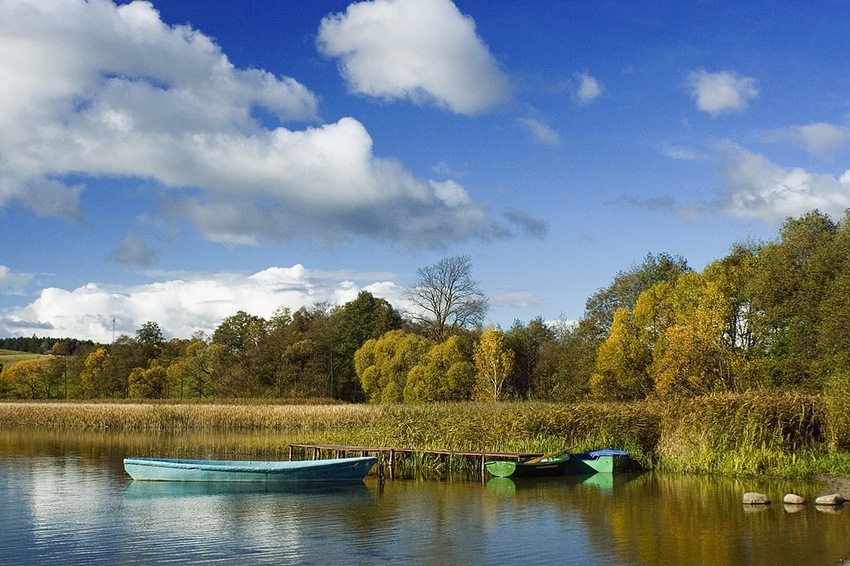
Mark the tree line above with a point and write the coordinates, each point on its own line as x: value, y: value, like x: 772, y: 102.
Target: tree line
x: 767, y: 315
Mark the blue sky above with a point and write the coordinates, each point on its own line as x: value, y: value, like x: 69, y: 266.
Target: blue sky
x: 180, y: 160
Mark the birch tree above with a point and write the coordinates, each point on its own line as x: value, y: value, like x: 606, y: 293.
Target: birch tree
x: 494, y: 362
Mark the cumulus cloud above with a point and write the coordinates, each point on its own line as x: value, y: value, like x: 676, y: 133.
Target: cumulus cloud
x: 91, y: 89
x: 819, y: 138
x: 540, y: 131
x: 204, y: 301
x: 588, y: 90
x: 723, y: 92
x: 424, y: 51
x: 759, y: 188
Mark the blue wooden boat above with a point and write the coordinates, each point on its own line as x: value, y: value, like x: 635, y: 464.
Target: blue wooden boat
x: 330, y: 470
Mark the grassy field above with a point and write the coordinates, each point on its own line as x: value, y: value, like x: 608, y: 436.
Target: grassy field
x: 749, y: 434
x: 9, y: 357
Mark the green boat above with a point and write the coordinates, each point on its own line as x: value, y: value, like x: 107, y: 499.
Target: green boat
x: 562, y: 463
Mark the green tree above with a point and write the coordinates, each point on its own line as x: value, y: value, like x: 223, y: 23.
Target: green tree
x: 792, y: 277
x: 445, y: 297
x: 364, y: 318
x: 529, y: 343
x: 240, y: 334
x: 150, y: 340
x: 237, y: 340
x: 566, y: 364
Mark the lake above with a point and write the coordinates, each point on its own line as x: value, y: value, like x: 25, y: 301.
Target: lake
x: 67, y: 500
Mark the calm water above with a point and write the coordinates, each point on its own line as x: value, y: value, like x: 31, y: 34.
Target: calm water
x: 66, y: 500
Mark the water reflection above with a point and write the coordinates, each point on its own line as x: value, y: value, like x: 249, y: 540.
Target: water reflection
x: 315, y: 492
x: 67, y: 500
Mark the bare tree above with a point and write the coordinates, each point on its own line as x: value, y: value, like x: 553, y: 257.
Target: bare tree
x: 445, y: 296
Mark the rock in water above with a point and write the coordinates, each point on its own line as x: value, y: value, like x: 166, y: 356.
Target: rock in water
x: 794, y: 499
x: 753, y: 498
x: 831, y: 499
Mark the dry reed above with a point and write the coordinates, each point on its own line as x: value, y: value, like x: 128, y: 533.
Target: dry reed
x: 752, y: 433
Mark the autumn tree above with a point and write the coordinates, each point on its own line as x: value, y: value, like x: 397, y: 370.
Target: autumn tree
x: 494, y: 362
x: 383, y: 364
x: 626, y: 287
x: 622, y: 362
x: 193, y: 372
x: 39, y: 378
x: 691, y: 351
x: 148, y: 383
x: 445, y: 373
x: 445, y: 297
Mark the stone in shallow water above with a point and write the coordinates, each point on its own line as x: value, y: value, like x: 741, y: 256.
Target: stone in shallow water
x: 794, y: 499
x: 753, y: 498
x: 831, y: 499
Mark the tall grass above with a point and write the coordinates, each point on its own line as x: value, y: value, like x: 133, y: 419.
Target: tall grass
x: 749, y: 433
x: 753, y: 433
x: 837, y: 399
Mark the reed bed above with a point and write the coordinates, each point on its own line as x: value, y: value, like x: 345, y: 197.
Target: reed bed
x: 781, y: 434
x: 183, y: 417
x: 749, y: 433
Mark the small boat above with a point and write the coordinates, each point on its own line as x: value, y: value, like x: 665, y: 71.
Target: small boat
x: 330, y: 470
x: 562, y: 463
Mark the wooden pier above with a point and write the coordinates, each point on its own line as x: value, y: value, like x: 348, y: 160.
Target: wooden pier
x: 387, y: 455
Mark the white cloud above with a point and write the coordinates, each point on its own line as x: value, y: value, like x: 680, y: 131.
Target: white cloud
x: 541, y: 132
x: 588, y: 89
x: 426, y: 51
x: 719, y: 93
x: 92, y: 90
x: 182, y: 306
x: 759, y: 188
x: 819, y: 138
x: 12, y: 282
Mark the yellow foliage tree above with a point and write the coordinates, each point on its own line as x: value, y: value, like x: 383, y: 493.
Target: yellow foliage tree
x: 383, y: 364
x: 494, y: 362
x: 622, y: 362
x: 695, y: 357
x: 445, y: 374
x: 34, y: 379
